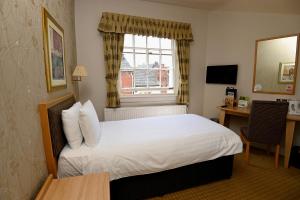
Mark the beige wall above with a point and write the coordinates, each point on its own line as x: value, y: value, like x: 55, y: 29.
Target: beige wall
x: 90, y: 46
x: 23, y: 86
x: 231, y: 40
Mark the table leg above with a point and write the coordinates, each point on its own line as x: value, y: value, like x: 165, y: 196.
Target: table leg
x: 289, y: 134
x: 224, y: 119
x: 222, y: 116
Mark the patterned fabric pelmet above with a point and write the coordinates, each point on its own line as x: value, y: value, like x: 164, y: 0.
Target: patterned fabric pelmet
x: 119, y: 23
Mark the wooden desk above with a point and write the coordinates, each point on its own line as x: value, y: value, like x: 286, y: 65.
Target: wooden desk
x: 92, y: 187
x: 224, y: 119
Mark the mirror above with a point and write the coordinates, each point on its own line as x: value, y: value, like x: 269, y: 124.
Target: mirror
x: 276, y: 61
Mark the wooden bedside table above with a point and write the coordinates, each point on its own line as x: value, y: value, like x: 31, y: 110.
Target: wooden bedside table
x: 91, y: 187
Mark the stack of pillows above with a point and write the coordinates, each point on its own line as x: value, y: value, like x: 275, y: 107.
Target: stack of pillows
x: 80, y: 123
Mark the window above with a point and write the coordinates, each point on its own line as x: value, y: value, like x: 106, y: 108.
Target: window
x: 147, y: 66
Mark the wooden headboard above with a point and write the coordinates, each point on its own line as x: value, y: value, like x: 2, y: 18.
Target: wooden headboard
x: 53, y: 136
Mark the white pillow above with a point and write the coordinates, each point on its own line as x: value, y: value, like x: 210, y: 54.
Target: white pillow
x: 71, y: 126
x: 89, y: 124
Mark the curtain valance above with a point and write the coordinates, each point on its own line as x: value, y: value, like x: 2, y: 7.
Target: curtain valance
x: 119, y: 23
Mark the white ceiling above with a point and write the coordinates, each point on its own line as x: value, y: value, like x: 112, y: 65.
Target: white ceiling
x: 265, y: 6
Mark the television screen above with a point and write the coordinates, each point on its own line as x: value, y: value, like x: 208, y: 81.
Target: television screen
x: 221, y: 74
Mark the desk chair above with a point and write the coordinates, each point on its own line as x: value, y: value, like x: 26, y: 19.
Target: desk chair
x: 266, y: 125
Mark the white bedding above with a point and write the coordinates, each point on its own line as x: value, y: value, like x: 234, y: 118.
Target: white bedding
x: 148, y: 145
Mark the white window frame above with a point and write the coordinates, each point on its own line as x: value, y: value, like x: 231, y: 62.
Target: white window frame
x: 151, y: 99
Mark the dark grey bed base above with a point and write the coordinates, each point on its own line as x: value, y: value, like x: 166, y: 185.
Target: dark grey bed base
x: 158, y: 184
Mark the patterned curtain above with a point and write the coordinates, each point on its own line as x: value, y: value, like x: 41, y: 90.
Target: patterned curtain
x: 183, y: 52
x: 113, y: 49
x: 118, y: 23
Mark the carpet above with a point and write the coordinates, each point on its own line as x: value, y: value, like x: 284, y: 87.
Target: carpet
x: 258, y: 180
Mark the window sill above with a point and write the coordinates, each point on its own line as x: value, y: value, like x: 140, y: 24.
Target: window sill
x: 148, y: 100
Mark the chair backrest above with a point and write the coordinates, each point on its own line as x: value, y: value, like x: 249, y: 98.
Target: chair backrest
x: 267, y: 121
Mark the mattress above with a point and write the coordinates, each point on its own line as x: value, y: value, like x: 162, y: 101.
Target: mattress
x: 148, y: 145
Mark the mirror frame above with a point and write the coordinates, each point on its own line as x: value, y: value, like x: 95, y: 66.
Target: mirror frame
x: 296, y: 65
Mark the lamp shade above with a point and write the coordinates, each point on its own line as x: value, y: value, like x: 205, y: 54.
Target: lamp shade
x: 80, y: 71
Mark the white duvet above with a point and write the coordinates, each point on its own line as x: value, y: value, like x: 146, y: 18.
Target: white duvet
x: 149, y: 145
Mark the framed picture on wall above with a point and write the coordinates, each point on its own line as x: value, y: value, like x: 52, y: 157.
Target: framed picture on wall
x: 286, y: 72
x: 54, y: 53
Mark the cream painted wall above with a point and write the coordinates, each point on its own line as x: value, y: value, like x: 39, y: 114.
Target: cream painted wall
x: 23, y: 86
x: 231, y: 40
x: 90, y: 46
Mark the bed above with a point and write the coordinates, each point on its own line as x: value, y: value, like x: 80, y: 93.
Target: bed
x: 145, y: 157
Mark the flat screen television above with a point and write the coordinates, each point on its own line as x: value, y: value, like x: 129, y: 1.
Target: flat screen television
x: 222, y: 74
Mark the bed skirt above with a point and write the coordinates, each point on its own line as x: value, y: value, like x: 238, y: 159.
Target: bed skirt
x: 158, y: 184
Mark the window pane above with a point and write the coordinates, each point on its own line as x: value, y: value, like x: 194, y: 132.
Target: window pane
x: 165, y: 78
x: 147, y: 66
x: 153, y: 51
x: 140, y: 50
x: 127, y: 50
x: 166, y: 43
x: 154, y: 91
x: 153, y: 42
x: 126, y: 92
x: 128, y: 40
x: 126, y: 79
x: 140, y: 60
x: 154, y: 78
x: 163, y: 91
x: 140, y: 77
x: 167, y: 91
x: 171, y: 78
x: 169, y: 52
x: 140, y: 41
x: 127, y: 61
x: 166, y: 61
x: 142, y: 92
x: 170, y: 91
x: 153, y: 61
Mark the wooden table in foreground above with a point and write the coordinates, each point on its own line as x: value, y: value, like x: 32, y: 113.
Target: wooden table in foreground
x: 226, y: 112
x: 91, y: 187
